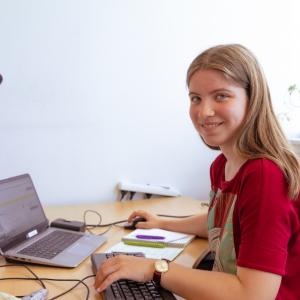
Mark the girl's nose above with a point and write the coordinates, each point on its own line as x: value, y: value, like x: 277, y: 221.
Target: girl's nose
x: 207, y: 109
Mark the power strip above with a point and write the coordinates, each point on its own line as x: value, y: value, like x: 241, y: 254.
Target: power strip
x: 148, y: 189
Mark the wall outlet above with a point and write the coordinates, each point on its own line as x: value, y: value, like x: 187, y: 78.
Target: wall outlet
x: 149, y: 189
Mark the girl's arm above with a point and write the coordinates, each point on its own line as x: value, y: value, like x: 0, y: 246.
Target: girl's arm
x: 196, y: 224
x: 248, y: 284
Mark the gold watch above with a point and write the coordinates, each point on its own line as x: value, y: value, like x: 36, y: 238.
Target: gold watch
x: 160, y: 266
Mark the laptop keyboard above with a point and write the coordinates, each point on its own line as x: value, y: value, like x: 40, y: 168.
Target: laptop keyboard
x: 51, y: 245
x: 130, y: 290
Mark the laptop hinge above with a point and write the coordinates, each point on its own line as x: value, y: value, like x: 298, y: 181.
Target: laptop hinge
x: 20, y: 238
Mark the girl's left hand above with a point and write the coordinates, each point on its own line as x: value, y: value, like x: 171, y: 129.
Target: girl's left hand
x: 124, y: 267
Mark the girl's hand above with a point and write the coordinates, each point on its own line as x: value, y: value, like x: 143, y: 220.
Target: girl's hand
x: 152, y: 221
x: 124, y: 267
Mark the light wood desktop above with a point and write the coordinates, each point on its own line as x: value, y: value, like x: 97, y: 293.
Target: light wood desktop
x: 110, y: 212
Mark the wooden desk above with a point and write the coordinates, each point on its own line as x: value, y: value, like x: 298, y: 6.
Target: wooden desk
x: 110, y: 212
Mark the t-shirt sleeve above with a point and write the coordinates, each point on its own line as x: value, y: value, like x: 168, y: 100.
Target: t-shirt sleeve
x: 263, y: 216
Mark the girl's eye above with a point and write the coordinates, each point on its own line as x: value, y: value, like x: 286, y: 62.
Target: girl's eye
x: 221, y: 97
x: 195, y: 99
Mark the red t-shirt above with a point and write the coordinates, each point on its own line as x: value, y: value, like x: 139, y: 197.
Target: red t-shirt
x: 252, y: 223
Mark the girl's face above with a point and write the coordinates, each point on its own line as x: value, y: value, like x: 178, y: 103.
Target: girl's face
x: 218, y: 107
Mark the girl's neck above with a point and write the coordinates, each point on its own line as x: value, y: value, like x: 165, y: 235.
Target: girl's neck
x: 233, y: 163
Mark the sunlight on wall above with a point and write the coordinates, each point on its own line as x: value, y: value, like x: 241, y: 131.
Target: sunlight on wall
x: 291, y: 108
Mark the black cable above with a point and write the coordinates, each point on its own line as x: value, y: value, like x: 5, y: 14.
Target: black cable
x: 37, y: 278
x: 28, y: 269
x: 40, y: 279
x: 73, y: 287
x: 56, y: 279
x: 17, y: 278
x: 107, y: 224
x: 125, y: 220
x: 93, y: 226
x: 99, y: 225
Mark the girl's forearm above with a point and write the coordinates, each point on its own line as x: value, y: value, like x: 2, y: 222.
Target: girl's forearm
x: 197, y: 284
x: 246, y: 284
x: 196, y: 224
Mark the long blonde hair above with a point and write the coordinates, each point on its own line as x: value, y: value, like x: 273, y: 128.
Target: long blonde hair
x: 260, y: 135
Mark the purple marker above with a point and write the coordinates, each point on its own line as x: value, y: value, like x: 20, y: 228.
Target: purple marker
x: 150, y: 237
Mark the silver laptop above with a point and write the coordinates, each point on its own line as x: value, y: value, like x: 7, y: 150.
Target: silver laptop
x: 25, y: 234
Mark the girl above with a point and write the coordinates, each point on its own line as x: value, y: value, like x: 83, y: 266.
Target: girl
x: 253, y: 223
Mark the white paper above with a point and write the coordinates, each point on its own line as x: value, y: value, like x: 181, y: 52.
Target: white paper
x: 150, y: 252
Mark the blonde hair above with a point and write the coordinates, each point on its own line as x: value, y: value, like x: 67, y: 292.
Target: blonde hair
x: 260, y: 135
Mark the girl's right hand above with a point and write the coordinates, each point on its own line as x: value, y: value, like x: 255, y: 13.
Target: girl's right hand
x: 152, y: 220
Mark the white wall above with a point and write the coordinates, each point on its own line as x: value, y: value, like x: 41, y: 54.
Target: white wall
x: 94, y: 90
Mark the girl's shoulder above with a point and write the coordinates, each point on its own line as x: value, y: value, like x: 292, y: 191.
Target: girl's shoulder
x: 263, y: 174
x: 261, y: 166
x: 252, y: 171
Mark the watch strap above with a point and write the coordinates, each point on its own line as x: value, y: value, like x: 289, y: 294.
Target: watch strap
x: 157, y: 275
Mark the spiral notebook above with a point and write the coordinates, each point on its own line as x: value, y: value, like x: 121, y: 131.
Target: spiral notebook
x: 157, y: 238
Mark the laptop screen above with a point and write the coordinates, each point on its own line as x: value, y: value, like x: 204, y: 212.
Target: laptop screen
x: 20, y: 208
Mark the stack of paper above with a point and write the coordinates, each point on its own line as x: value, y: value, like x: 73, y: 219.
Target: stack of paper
x: 154, y: 243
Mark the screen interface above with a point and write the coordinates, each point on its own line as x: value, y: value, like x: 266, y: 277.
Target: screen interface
x: 20, y: 208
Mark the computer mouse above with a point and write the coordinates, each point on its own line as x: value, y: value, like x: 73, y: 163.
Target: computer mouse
x: 134, y: 222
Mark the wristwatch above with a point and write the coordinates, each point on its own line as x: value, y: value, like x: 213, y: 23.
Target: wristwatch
x: 160, y: 266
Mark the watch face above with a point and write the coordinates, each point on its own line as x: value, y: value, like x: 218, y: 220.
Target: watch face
x: 161, y: 266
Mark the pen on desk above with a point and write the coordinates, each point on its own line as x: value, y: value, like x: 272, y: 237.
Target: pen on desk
x: 150, y: 237
x: 145, y: 244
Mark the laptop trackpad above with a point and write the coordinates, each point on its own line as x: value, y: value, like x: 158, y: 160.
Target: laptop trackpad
x: 80, y: 248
